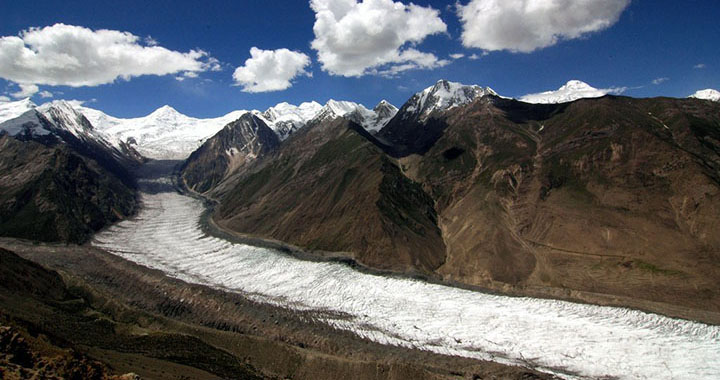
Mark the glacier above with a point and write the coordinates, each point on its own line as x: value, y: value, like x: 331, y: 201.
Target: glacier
x: 567, y: 339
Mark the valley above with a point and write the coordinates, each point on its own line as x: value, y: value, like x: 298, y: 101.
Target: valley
x: 436, y: 318
x: 463, y: 234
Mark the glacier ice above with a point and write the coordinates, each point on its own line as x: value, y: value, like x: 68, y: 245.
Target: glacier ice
x: 567, y: 339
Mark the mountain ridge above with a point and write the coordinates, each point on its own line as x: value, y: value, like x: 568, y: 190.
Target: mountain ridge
x: 503, y: 177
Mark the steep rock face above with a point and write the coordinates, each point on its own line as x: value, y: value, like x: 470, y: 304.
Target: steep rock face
x: 317, y: 190
x: 417, y: 125
x: 52, y: 193
x: 235, y: 146
x: 59, y: 181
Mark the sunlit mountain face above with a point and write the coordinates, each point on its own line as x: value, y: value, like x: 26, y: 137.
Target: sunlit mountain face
x: 360, y: 189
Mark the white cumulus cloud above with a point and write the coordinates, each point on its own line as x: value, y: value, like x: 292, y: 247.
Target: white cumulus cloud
x: 26, y: 91
x: 46, y: 94
x: 271, y: 70
x: 4, y: 98
x: 658, y: 81
x: 528, y: 25
x: 457, y: 55
x: 77, y: 56
x: 373, y: 36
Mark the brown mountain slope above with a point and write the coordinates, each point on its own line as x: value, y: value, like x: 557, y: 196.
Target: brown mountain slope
x: 236, y: 145
x: 613, y: 196
x: 330, y: 188
x: 50, y: 192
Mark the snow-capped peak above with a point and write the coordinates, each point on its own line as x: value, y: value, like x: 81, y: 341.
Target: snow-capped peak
x: 570, y: 91
x: 345, y: 109
x: 285, y: 118
x: 30, y: 123
x: 11, y: 110
x: 708, y: 94
x: 384, y: 106
x: 442, y: 95
x: 342, y: 107
x: 384, y: 111
x: 65, y: 116
x: 163, y: 134
x: 167, y: 112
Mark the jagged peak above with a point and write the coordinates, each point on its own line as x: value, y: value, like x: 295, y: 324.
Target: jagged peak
x: 342, y: 107
x: 384, y: 104
x: 443, y: 95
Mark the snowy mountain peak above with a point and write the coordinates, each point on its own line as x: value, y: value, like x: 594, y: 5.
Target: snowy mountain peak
x: 708, y: 94
x: 285, y: 118
x: 31, y: 123
x: 167, y: 112
x: 570, y: 91
x: 342, y: 108
x: 576, y: 85
x: 64, y: 116
x: 384, y: 107
x: 11, y: 110
x: 441, y: 96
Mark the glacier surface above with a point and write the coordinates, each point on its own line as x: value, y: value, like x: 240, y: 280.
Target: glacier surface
x: 567, y: 339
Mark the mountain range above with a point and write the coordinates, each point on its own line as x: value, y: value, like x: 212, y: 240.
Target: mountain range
x: 576, y: 190
x: 61, y: 179
x: 611, y: 195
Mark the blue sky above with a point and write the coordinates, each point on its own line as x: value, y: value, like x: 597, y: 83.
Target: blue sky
x: 649, y: 40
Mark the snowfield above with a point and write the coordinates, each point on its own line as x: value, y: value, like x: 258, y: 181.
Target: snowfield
x: 567, y: 339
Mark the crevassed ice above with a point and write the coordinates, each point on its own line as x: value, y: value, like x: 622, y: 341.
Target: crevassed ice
x: 567, y: 339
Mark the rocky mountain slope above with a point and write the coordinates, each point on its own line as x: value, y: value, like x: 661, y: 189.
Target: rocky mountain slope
x: 418, y: 116
x: 234, y: 147
x: 612, y: 195
x: 325, y: 182
x: 59, y: 179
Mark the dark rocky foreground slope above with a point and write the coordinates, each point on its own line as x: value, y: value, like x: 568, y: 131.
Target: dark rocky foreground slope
x: 610, y: 198
x: 105, y: 316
